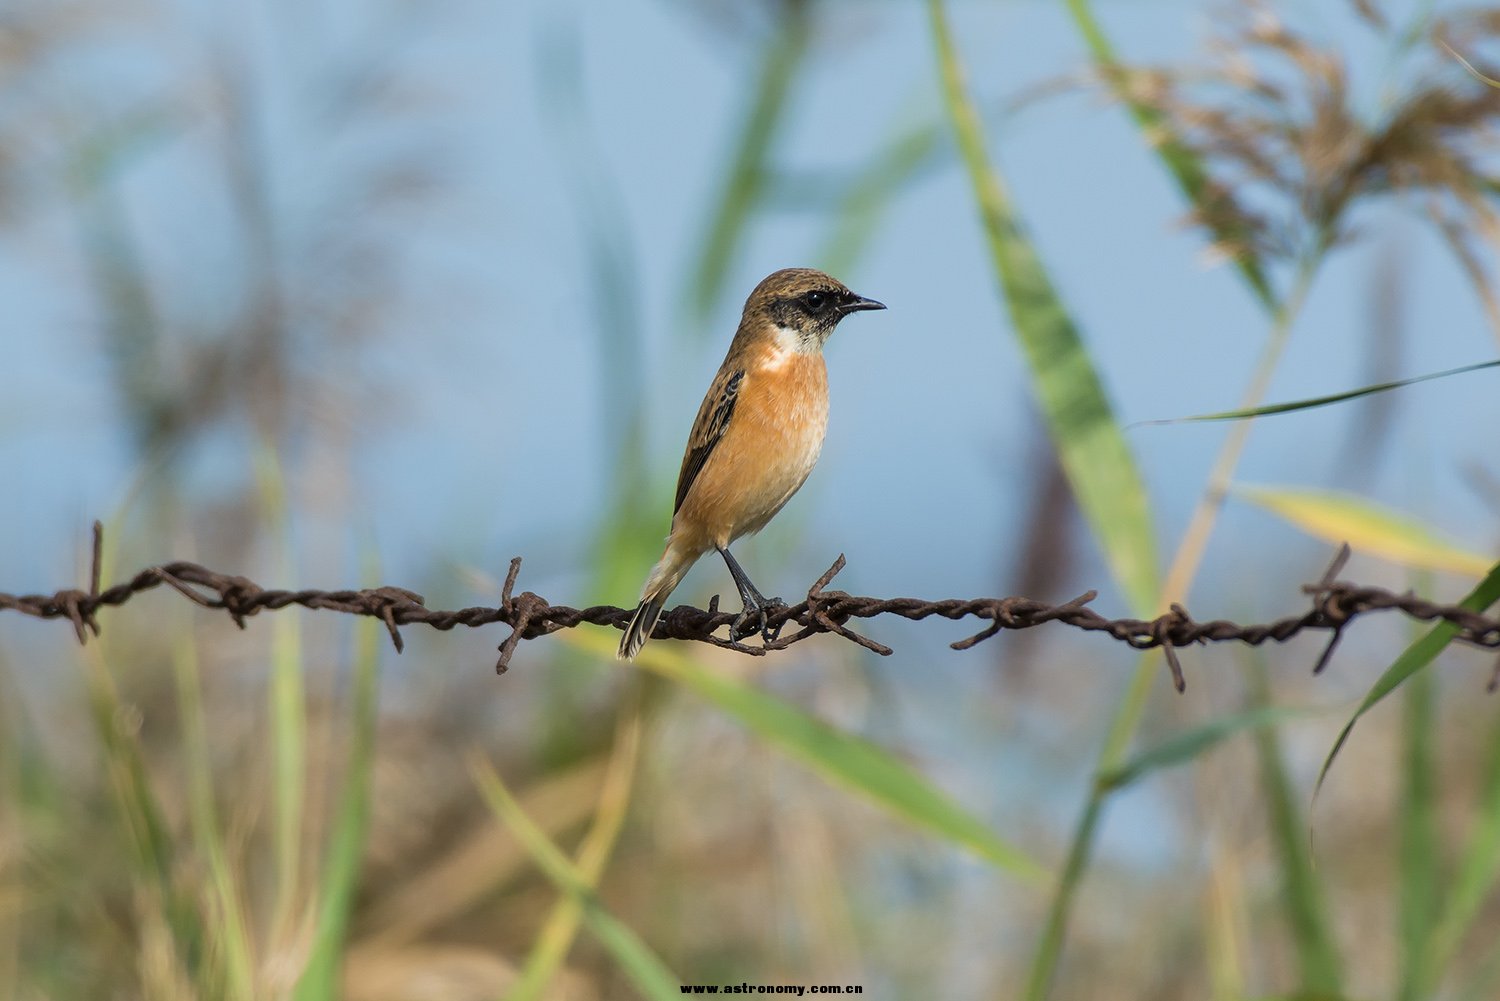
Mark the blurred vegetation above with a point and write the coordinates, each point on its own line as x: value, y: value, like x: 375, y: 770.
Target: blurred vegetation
x: 191, y: 812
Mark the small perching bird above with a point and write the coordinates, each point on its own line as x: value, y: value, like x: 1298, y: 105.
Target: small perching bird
x: 756, y: 438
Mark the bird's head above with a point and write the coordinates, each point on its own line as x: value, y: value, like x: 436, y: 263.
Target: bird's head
x: 803, y: 303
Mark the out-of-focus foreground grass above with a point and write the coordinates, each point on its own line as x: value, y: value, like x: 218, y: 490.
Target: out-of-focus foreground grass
x: 189, y: 811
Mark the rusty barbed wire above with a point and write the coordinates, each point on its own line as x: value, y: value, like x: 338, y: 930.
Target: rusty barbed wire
x: 1334, y: 605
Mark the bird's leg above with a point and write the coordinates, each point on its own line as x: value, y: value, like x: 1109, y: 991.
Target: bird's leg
x: 756, y: 604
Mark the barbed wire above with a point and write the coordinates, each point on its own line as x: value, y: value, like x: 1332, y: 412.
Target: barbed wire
x: 1334, y: 605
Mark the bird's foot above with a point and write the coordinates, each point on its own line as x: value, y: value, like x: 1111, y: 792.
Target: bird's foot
x: 755, y: 619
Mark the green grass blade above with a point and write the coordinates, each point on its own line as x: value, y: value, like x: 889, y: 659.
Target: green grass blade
x: 1049, y: 947
x: 1474, y: 883
x: 288, y: 710
x: 1116, y: 743
x: 850, y: 761
x: 1303, y: 904
x: 15, y: 817
x: 1091, y: 448
x: 141, y: 817
x: 1414, y: 658
x: 1321, y: 401
x: 140, y: 811
x: 1337, y: 517
x: 561, y: 927
x: 1090, y: 443
x: 320, y: 977
x: 230, y: 932
x: 1418, y: 821
x: 745, y: 180
x: 1185, y: 166
x: 1190, y: 744
x: 645, y: 970
x: 140, y: 814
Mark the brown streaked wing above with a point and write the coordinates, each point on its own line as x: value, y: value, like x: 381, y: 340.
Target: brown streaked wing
x: 708, y: 430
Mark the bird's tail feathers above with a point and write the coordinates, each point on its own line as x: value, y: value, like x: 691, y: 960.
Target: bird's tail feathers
x: 665, y: 577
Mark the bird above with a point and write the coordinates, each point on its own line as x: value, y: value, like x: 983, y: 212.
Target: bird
x: 757, y: 436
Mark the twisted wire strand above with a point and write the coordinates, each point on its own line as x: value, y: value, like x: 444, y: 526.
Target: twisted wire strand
x: 1333, y: 605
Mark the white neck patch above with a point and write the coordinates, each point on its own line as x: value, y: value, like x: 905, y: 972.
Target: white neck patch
x: 787, y: 343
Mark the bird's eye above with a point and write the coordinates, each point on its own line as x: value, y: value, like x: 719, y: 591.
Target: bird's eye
x: 815, y: 301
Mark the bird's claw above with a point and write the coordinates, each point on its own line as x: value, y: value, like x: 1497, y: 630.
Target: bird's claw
x: 748, y: 622
x: 754, y: 619
x: 771, y: 636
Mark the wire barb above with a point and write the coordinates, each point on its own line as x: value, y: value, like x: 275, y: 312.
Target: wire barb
x: 1334, y: 605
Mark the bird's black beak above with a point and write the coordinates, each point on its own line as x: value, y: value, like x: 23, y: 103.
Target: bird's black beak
x: 855, y: 303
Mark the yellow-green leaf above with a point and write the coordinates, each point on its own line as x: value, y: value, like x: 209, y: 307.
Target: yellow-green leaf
x: 1370, y: 528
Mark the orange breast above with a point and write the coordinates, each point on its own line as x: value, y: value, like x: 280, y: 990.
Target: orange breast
x: 771, y: 444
